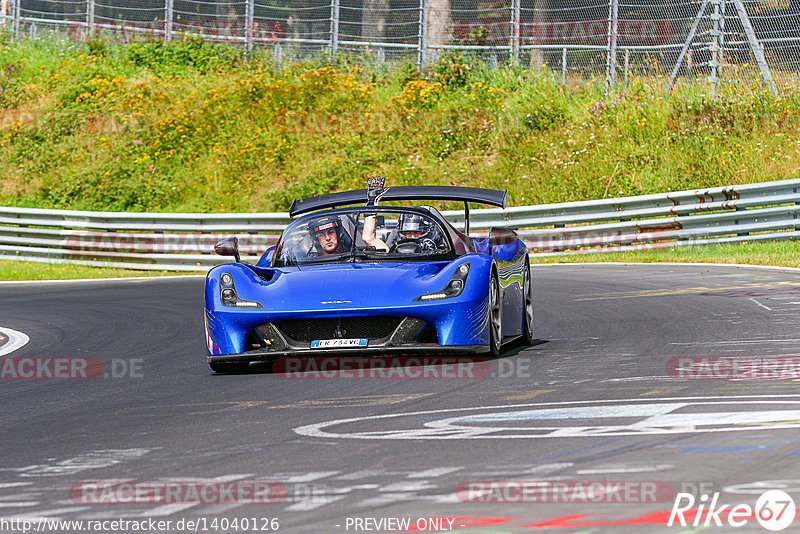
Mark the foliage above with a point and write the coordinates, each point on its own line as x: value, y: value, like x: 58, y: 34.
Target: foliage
x: 191, y: 126
x: 187, y: 52
x: 452, y: 70
x: 418, y: 95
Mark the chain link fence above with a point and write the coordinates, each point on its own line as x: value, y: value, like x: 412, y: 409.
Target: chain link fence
x: 685, y: 41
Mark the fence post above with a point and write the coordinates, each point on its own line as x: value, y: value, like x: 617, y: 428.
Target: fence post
x: 334, y: 27
x: 686, y: 45
x: 423, y: 34
x: 17, y: 17
x: 515, y: 33
x: 611, y: 63
x: 715, y: 33
x: 627, y: 63
x: 168, y: 19
x: 89, y: 18
x: 758, y: 50
x: 564, y: 65
x: 249, y: 18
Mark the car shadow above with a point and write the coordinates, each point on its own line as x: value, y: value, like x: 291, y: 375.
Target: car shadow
x: 354, y: 365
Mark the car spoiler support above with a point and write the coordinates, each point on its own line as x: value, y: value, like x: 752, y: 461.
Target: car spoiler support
x: 406, y: 192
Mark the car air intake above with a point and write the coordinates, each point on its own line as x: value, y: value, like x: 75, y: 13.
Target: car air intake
x: 373, y: 327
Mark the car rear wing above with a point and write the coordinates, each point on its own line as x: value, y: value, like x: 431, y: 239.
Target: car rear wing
x: 466, y: 195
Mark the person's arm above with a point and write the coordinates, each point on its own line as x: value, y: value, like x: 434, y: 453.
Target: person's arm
x: 369, y: 237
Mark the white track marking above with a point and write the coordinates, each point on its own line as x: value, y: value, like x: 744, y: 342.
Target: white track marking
x: 623, y: 469
x: 651, y: 419
x: 83, y: 462
x: 293, y: 478
x: 433, y: 473
x: 16, y: 340
x: 765, y: 307
x: 794, y: 341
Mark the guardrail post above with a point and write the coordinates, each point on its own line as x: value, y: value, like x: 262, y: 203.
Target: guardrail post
x: 334, y: 27
x: 168, y: 20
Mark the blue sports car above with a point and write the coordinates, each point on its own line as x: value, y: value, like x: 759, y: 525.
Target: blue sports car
x: 351, y: 276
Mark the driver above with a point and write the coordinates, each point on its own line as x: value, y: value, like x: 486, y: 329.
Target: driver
x: 326, y: 236
x: 414, y: 235
x: 414, y: 230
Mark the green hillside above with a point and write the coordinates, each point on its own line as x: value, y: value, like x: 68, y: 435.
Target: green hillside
x: 192, y: 126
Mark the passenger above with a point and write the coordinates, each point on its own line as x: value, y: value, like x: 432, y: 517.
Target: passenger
x: 327, y: 236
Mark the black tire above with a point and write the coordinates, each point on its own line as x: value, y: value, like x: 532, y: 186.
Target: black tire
x: 527, y: 311
x: 495, y: 317
x: 229, y: 368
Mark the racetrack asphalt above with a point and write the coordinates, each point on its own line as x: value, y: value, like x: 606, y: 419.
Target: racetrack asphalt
x: 629, y: 385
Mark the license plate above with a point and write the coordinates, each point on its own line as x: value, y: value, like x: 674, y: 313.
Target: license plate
x: 337, y: 343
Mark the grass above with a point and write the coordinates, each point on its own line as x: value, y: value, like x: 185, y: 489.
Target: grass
x: 778, y: 253
x: 20, y: 270
x: 192, y: 126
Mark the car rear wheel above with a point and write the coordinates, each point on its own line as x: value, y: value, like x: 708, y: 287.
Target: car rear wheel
x: 495, y: 317
x: 229, y: 368
x: 527, y: 295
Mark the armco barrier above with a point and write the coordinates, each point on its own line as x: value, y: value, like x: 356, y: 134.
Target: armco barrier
x: 185, y: 241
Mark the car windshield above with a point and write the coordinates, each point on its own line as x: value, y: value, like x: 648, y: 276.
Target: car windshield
x: 360, y: 235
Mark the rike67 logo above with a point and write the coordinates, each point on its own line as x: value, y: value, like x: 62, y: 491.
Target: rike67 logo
x: 774, y: 510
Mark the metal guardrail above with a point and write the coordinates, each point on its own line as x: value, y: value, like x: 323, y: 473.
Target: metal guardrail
x: 185, y: 241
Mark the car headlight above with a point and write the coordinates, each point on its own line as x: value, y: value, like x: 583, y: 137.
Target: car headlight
x: 230, y: 298
x: 453, y: 288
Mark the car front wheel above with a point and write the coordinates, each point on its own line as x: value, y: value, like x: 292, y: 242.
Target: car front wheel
x: 527, y: 296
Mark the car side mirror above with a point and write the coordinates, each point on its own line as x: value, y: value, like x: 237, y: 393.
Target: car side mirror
x: 499, y: 241
x: 228, y: 247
